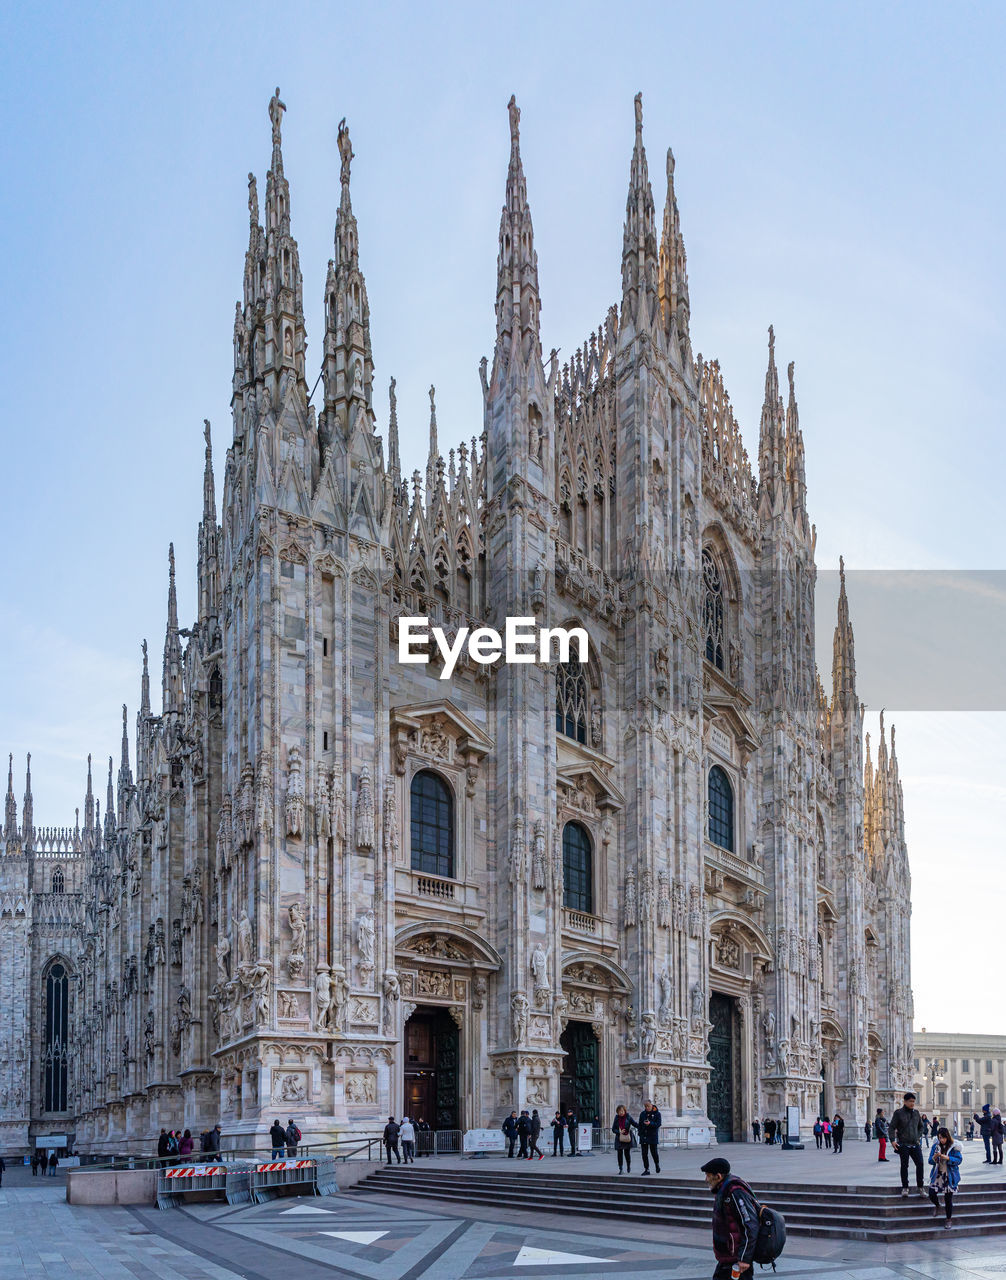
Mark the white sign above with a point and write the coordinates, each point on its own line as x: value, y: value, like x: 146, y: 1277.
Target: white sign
x: 50, y: 1140
x: 698, y: 1136
x: 584, y: 1136
x: 793, y: 1124
x: 484, y: 1140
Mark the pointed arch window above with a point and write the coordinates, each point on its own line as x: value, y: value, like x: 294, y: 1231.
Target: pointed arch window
x: 432, y: 826
x: 721, y: 809
x: 56, y: 990
x: 58, y: 881
x: 571, y: 699
x: 712, y: 608
x: 577, y: 869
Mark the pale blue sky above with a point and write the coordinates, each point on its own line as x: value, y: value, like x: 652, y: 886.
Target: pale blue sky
x: 840, y: 173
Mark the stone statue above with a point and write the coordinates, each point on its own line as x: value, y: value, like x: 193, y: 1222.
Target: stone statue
x: 339, y: 1000
x: 518, y: 1016
x: 276, y: 109
x: 539, y: 967
x: 345, y: 152
x: 365, y: 937
x: 298, y: 930
x: 322, y: 998
x: 245, y: 948
x: 698, y: 1003
x: 223, y: 953
x: 664, y: 982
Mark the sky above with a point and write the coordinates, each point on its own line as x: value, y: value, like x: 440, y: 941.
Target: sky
x: 840, y: 175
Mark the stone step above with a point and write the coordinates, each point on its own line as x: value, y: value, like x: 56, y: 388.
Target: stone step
x: 688, y: 1209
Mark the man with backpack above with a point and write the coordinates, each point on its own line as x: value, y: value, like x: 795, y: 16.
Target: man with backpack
x: 293, y: 1136
x: 744, y: 1232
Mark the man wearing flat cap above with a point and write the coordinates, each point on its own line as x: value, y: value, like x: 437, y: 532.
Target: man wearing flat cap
x: 735, y: 1219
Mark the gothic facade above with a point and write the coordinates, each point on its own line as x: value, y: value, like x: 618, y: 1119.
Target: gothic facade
x: 337, y: 886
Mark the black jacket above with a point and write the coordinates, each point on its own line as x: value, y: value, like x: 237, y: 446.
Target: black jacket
x: 213, y: 1140
x: 391, y: 1133
x: 535, y: 1125
x: 984, y: 1123
x: 524, y: 1126
x: 907, y: 1128
x: 162, y: 1145
x: 626, y: 1127
x: 880, y: 1127
x: 559, y: 1126
x: 277, y: 1134
x: 510, y: 1126
x: 735, y: 1221
x: 649, y: 1125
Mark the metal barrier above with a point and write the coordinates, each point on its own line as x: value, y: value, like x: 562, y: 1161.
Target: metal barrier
x: 448, y: 1142
x: 230, y: 1180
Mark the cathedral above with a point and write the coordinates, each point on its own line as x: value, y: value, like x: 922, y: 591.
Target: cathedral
x: 333, y: 885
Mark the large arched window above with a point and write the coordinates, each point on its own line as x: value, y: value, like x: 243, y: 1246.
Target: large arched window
x: 577, y: 869
x: 57, y: 880
x: 721, y: 809
x: 57, y: 993
x: 571, y: 699
x: 712, y: 609
x: 432, y: 826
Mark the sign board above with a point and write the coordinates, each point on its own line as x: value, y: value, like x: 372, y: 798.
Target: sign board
x: 793, y: 1124
x: 584, y: 1136
x: 698, y: 1136
x: 50, y: 1140
x: 484, y: 1140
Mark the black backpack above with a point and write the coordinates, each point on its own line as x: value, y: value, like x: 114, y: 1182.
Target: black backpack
x: 771, y: 1236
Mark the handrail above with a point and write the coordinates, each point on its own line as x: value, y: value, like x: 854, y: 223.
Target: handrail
x: 355, y: 1142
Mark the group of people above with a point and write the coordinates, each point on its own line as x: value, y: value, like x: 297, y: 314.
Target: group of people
x: 176, y: 1145
x: 647, y: 1127
x: 992, y: 1130
x: 908, y: 1131
x: 406, y: 1132
x: 830, y: 1134
x: 771, y: 1129
x: 284, y: 1141
x: 41, y: 1163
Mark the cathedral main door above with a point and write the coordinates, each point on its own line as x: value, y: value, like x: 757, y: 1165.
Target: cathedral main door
x: 722, y: 1083
x: 432, y: 1069
x: 578, y: 1083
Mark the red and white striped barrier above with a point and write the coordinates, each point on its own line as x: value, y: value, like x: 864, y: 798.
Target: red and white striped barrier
x: 284, y: 1164
x: 196, y: 1171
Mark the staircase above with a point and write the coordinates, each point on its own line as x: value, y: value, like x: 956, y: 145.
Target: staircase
x: 840, y: 1213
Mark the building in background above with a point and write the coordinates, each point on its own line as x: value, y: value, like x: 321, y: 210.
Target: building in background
x: 335, y: 886
x: 955, y: 1075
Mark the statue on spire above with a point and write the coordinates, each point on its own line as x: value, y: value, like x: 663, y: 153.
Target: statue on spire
x: 253, y: 199
x: 345, y: 152
x: 514, y: 110
x: 638, y: 103
x: 276, y: 109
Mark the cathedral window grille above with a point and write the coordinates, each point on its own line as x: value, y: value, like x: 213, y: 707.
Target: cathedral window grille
x: 57, y: 993
x: 58, y: 881
x: 577, y: 869
x: 432, y: 826
x: 721, y: 809
x: 712, y: 609
x: 571, y: 700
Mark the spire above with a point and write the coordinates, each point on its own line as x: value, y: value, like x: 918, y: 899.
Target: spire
x: 109, y: 808
x: 795, y: 468
x: 434, y: 454
x: 869, y: 807
x: 640, y: 264
x: 89, y: 800
x: 28, y: 819
x: 394, y: 459
x: 673, y: 276
x: 145, y: 685
x: 771, y: 440
x: 843, y: 666
x: 171, y: 679
x: 10, y: 810
x: 348, y: 363
x: 208, y: 557
x: 517, y: 299
x: 125, y: 773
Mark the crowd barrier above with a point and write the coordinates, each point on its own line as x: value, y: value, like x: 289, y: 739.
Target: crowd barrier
x: 274, y: 1178
x: 231, y: 1180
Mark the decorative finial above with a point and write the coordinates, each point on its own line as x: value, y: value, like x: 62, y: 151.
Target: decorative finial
x: 253, y: 199
x: 206, y: 431
x: 433, y: 403
x: 514, y: 110
x: 276, y: 109
x: 345, y: 152
x: 638, y: 104
x: 393, y: 398
x: 771, y: 342
x: 789, y: 373
x: 670, y: 165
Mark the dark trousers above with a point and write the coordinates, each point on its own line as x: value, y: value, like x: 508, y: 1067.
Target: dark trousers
x: 624, y: 1152
x: 409, y: 1151
x: 819, y: 1139
x: 997, y: 1151
x: 511, y: 1143
x: 523, y: 1146
x: 650, y: 1149
x: 839, y: 1138
x: 948, y: 1199
x: 988, y: 1148
x: 914, y: 1154
x: 572, y: 1141
x: 392, y: 1146
x: 827, y: 1140
x: 557, y: 1138
x: 534, y: 1148
x: 723, y: 1270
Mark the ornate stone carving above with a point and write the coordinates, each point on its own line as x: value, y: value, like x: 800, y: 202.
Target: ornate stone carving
x: 629, y: 905
x: 263, y: 798
x: 364, y: 811
x: 298, y: 939
x: 390, y: 820
x: 294, y: 793
x: 323, y: 803
x: 663, y: 901
x: 518, y: 851
x: 518, y: 1017
x: 539, y: 865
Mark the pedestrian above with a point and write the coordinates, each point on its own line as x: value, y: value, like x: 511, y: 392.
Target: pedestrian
x: 735, y: 1220
x: 826, y: 1126
x: 649, y: 1136
x: 293, y: 1136
x: 277, y: 1136
x: 534, y: 1135
x: 945, y: 1156
x: 571, y: 1133
x: 558, y: 1133
x: 935, y: 1127
x: 985, y: 1129
x: 866, y: 1130
x: 213, y: 1139
x: 622, y: 1127
x: 818, y: 1133
x: 998, y: 1132
x: 186, y: 1144
x: 523, y: 1133
x: 880, y: 1129
x: 756, y: 1130
x: 390, y: 1139
x: 837, y: 1132
x: 770, y: 1131
x: 3, y: 1169
x: 424, y: 1137
x: 34, y: 1162
x: 407, y: 1133
x: 907, y: 1131
x: 162, y: 1145
x: 510, y: 1132
x: 53, y: 1162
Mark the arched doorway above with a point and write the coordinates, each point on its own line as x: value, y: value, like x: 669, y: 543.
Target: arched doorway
x: 723, y: 1093
x: 432, y: 1068
x: 579, y: 1082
